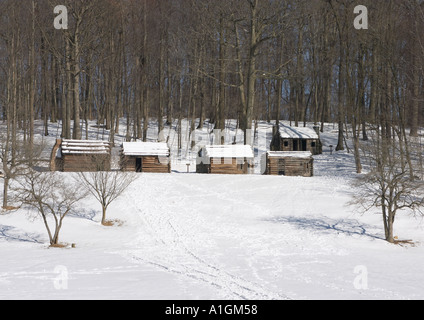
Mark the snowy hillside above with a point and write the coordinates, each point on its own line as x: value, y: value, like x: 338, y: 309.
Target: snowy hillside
x: 190, y: 236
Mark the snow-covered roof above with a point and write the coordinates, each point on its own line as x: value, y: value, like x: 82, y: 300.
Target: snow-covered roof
x: 290, y: 154
x: 228, y: 151
x: 287, y: 132
x: 145, y: 149
x: 85, y: 147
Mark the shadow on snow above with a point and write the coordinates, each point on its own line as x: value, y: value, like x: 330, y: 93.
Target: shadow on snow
x: 347, y: 227
x: 7, y: 233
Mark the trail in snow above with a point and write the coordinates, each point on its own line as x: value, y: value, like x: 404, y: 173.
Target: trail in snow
x: 170, y: 250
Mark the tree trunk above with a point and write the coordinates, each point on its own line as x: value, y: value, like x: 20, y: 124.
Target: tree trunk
x: 220, y: 121
x: 145, y: 86
x: 69, y: 90
x: 390, y: 227
x: 104, y: 215
x: 161, y: 86
x: 32, y: 79
x: 251, y: 81
x: 76, y: 134
x: 341, y: 114
x: 5, y: 192
x: 415, y: 99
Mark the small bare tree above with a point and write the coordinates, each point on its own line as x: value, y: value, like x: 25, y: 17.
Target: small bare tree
x: 106, y: 186
x: 51, y: 195
x: 388, y: 185
x: 16, y: 154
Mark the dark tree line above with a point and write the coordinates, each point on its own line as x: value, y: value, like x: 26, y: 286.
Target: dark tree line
x: 292, y: 60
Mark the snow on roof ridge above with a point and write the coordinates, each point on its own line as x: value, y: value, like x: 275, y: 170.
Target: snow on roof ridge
x: 288, y: 132
x: 145, y: 149
x: 229, y: 151
x: 85, y: 147
x: 291, y: 154
x: 70, y: 141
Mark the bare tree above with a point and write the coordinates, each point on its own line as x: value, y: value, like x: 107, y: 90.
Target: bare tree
x: 16, y: 155
x: 51, y: 195
x: 388, y: 184
x: 106, y: 186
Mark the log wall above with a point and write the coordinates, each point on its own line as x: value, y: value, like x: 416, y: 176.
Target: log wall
x: 150, y: 164
x: 226, y: 166
x: 290, y: 166
x: 312, y: 145
x: 84, y: 163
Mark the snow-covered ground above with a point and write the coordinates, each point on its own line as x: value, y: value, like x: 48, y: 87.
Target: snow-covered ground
x: 190, y: 236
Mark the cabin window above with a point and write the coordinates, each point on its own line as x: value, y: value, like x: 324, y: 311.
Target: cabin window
x: 286, y: 143
x: 313, y: 144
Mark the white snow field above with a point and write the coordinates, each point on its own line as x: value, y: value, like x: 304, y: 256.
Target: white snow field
x: 187, y: 237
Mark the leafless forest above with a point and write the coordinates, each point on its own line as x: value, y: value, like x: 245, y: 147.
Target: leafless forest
x: 239, y: 59
x: 167, y: 60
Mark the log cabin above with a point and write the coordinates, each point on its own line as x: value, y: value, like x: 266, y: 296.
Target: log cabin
x: 286, y: 138
x: 225, y: 159
x: 283, y: 163
x: 81, y: 156
x: 148, y: 157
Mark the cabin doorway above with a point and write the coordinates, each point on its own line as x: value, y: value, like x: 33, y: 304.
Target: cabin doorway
x: 281, y: 167
x: 304, y: 145
x: 138, y: 165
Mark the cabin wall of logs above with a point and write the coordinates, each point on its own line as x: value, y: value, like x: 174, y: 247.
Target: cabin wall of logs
x: 80, y: 156
x: 290, y: 144
x: 225, y: 159
x: 296, y: 139
x: 226, y: 166
x: 288, y: 164
x: 84, y: 163
x: 147, y: 164
x: 147, y: 157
